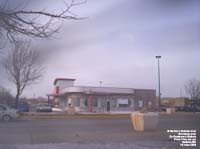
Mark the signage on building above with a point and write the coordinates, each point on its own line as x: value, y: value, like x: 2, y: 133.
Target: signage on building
x: 122, y: 101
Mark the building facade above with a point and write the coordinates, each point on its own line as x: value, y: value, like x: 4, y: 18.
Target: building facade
x: 173, y: 102
x: 100, y: 99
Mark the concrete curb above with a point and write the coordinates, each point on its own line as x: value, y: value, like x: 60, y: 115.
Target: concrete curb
x: 94, y: 116
x: 184, y: 114
x: 74, y: 116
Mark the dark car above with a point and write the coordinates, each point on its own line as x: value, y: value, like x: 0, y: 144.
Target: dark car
x: 23, y: 107
x: 43, y: 107
x: 180, y: 108
x: 192, y: 108
x: 196, y: 108
x: 163, y: 108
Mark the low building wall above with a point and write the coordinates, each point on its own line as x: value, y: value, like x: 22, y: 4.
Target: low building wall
x: 109, y: 102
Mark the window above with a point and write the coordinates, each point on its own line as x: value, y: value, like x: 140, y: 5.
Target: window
x: 123, y: 102
x: 86, y: 102
x: 140, y: 103
x: 77, y: 102
x: 94, y: 102
x: 113, y: 103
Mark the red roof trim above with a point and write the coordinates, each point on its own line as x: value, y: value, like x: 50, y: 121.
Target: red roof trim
x: 63, y: 79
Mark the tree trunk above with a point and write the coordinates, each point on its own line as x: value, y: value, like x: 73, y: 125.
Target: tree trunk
x: 16, y: 100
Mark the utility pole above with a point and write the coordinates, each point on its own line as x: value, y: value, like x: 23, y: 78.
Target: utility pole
x: 159, y: 102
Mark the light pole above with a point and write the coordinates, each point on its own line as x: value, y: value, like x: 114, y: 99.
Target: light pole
x: 158, y: 57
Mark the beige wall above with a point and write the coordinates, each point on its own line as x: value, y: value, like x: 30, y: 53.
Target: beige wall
x: 174, y: 101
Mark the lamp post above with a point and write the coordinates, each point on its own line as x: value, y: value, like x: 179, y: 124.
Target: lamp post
x: 158, y: 57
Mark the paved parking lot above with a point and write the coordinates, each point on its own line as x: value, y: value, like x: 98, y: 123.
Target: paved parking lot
x: 101, y: 131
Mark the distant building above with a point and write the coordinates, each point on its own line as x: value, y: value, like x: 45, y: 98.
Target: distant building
x: 173, y: 102
x: 33, y: 101
x: 100, y: 99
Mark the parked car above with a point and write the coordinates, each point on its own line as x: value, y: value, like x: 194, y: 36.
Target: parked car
x: 163, y: 107
x: 43, y: 107
x: 7, y: 113
x: 23, y: 107
x: 180, y: 108
x: 188, y: 108
x: 192, y: 108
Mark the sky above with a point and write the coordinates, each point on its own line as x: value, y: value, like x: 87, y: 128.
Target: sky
x: 117, y: 43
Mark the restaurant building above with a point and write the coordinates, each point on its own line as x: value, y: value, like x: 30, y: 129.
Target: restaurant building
x: 100, y: 99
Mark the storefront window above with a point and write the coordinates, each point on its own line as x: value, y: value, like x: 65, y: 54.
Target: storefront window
x: 123, y: 102
x: 86, y: 102
x: 140, y: 103
x: 94, y: 102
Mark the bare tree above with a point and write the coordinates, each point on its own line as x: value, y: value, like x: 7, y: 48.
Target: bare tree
x: 15, y: 22
x: 23, y: 67
x: 192, y: 88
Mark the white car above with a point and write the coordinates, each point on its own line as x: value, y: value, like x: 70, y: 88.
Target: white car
x: 7, y: 113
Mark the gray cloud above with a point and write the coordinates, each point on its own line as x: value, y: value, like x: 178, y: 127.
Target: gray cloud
x: 118, y: 43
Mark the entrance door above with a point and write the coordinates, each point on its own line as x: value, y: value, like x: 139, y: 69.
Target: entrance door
x: 108, y: 106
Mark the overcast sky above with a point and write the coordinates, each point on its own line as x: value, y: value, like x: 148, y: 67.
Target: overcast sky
x: 118, y: 42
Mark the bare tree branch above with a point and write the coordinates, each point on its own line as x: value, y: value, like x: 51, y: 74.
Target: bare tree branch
x: 42, y: 24
x: 192, y: 88
x: 23, y: 67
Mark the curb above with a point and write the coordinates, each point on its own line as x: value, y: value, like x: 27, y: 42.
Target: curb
x: 74, y: 116
x: 94, y: 116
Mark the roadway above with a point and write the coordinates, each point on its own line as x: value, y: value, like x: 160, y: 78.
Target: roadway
x: 93, y: 130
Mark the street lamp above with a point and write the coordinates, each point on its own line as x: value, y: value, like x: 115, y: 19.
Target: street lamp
x: 158, y: 57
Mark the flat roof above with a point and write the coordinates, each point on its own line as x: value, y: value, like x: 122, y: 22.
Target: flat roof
x: 98, y: 90
x: 89, y: 89
x: 67, y: 79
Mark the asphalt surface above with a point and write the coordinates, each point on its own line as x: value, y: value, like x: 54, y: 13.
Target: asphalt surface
x: 94, y: 131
